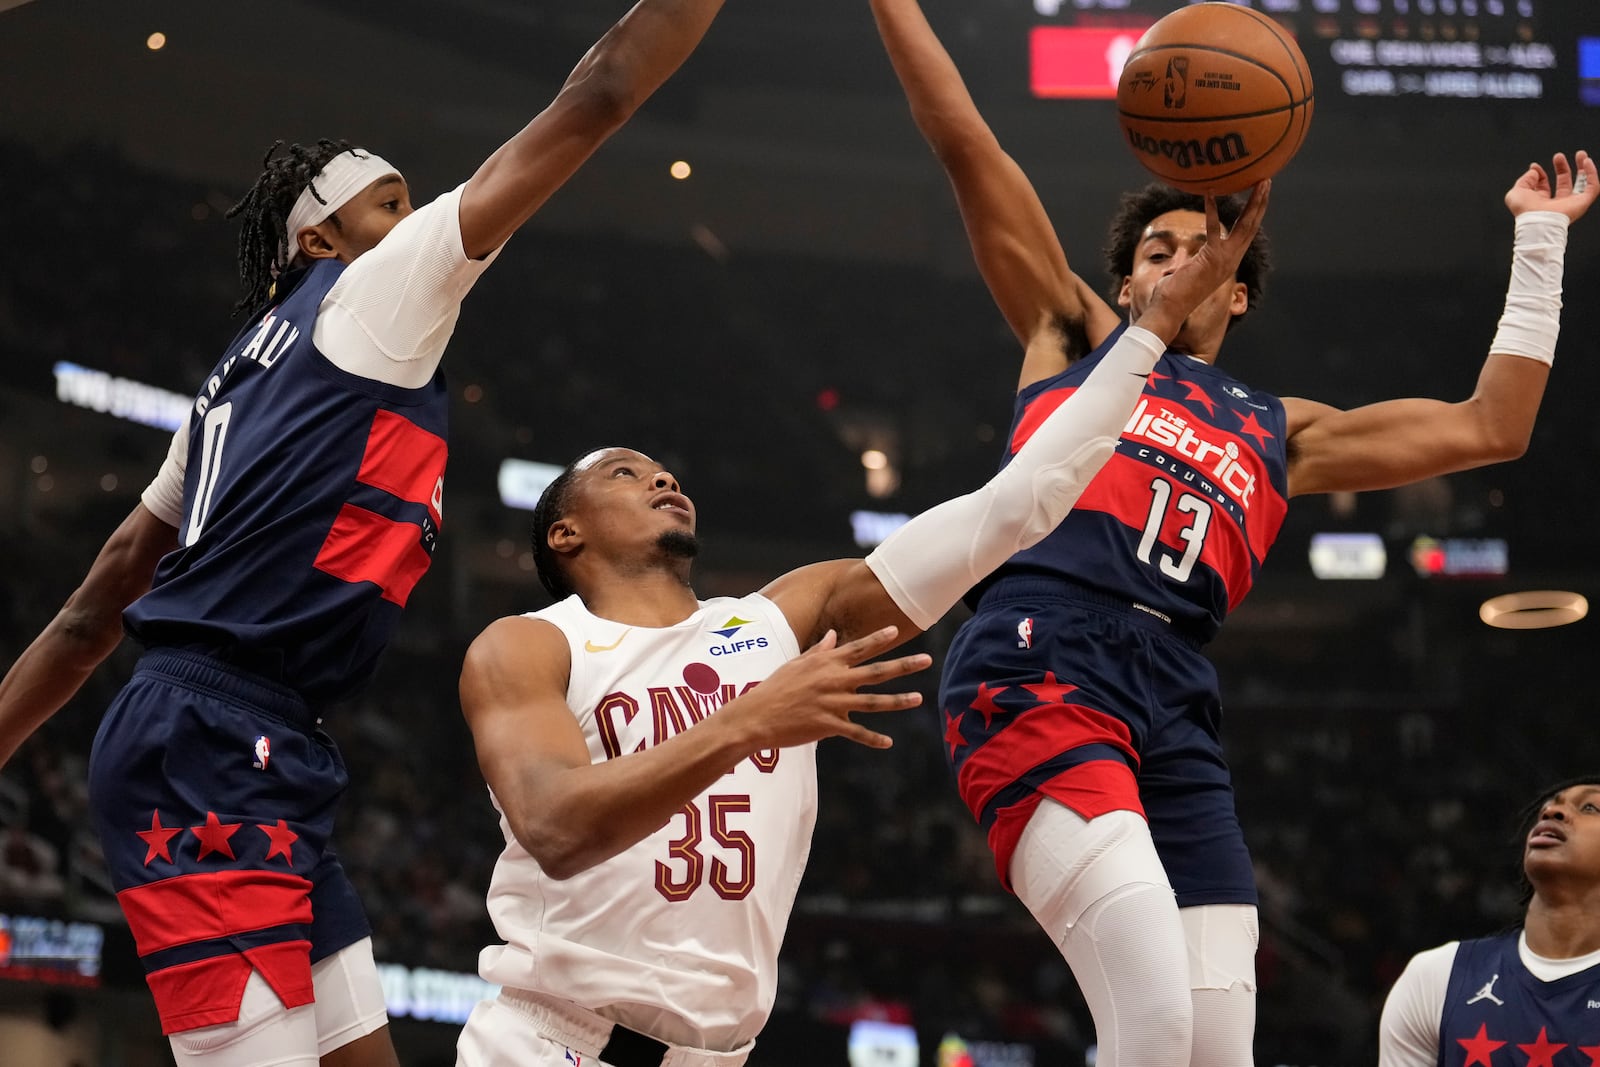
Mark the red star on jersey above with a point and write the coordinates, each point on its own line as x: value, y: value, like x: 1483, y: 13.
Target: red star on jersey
x: 1479, y: 1047
x: 214, y: 836
x: 1542, y: 1051
x: 952, y: 733
x: 156, y: 838
x: 1050, y: 691
x: 1593, y: 1052
x: 1198, y: 394
x: 1156, y: 376
x: 1254, y: 429
x: 984, y: 702
x: 282, y: 838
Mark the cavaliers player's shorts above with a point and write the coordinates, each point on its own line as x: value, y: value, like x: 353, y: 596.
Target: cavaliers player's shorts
x: 213, y: 793
x: 1055, y: 690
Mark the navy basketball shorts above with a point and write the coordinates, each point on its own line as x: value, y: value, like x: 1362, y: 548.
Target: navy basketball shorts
x: 213, y: 794
x: 1051, y: 690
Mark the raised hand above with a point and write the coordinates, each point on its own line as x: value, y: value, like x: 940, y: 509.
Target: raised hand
x: 1574, y: 189
x: 1198, y: 277
x: 811, y: 697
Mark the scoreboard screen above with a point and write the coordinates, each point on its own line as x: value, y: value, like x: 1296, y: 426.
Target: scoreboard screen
x: 1529, y: 51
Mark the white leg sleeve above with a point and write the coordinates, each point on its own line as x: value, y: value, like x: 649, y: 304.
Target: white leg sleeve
x: 349, y: 996
x: 930, y: 562
x: 1098, y: 889
x: 1222, y: 941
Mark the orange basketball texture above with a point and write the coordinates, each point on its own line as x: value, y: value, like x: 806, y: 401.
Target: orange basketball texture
x: 1214, y: 98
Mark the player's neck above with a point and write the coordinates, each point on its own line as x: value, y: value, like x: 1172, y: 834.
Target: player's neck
x: 657, y: 597
x: 1561, y: 925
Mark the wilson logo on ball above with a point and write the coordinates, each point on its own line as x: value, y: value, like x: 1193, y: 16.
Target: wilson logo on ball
x: 1212, y: 152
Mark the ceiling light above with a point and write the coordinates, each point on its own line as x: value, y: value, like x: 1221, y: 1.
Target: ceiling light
x: 1534, y: 610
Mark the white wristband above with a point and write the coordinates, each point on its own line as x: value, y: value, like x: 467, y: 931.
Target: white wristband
x: 1532, y: 319
x: 930, y: 562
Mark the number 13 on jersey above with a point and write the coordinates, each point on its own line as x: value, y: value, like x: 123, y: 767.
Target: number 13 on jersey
x: 1194, y: 514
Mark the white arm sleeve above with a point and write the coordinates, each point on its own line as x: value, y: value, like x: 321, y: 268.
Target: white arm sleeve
x: 392, y: 311
x: 1531, y: 322
x: 164, y: 495
x: 1408, y: 1036
x: 930, y: 562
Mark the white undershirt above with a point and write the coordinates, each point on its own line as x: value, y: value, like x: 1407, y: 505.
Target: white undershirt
x: 388, y: 318
x: 1408, y: 1036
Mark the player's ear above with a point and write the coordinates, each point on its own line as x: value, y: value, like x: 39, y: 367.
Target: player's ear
x: 1239, y: 301
x: 1125, y: 294
x: 564, y: 535
x: 314, y: 244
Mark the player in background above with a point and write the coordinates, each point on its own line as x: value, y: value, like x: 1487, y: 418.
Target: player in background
x: 1534, y: 987
x: 1112, y: 815
x: 297, y: 508
x: 653, y: 755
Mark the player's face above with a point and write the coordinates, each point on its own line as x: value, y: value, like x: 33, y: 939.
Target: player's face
x: 1565, y: 840
x: 367, y: 218
x: 1165, y: 245
x: 627, y: 497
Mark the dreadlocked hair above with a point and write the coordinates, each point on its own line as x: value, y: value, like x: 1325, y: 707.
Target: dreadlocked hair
x: 265, y: 209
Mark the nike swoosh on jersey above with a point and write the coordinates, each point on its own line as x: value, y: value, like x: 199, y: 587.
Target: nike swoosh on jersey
x: 590, y: 646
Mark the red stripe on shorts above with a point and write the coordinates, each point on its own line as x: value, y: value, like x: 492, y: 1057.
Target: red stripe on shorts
x: 199, y: 907
x: 1037, y: 735
x: 208, y: 992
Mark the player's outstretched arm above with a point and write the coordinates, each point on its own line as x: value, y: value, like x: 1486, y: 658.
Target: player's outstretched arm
x: 1397, y: 442
x: 570, y: 813
x: 603, y: 91
x: 928, y: 564
x: 85, y: 631
x: 1012, y: 238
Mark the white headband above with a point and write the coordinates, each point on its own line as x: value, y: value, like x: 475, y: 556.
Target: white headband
x: 345, y: 175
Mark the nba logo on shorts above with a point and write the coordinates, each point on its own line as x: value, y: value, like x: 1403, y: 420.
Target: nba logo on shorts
x: 1025, y: 633
x: 574, y: 1058
x: 263, y: 751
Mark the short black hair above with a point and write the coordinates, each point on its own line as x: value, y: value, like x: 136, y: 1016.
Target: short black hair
x: 1139, y: 209
x: 553, y: 505
x: 265, y: 209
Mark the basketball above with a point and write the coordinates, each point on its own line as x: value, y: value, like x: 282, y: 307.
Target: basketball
x: 1215, y: 97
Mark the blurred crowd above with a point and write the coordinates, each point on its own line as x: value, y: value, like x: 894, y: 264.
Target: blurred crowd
x: 1377, y: 830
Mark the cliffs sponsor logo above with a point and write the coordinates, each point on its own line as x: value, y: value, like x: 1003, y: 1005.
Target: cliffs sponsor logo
x: 1193, y: 152
x: 1169, y: 430
x: 733, y: 641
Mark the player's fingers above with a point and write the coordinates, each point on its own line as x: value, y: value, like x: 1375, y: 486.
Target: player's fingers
x: 1255, y: 210
x: 1213, y: 220
x: 882, y: 670
x: 1537, y: 178
x: 1563, y: 172
x: 863, y: 736
x: 829, y: 639
x: 870, y: 645
x: 882, y: 701
x: 1588, y: 181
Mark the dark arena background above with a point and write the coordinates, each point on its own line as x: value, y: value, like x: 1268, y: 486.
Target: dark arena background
x: 764, y: 282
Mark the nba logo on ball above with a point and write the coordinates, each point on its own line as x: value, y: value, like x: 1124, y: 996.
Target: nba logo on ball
x: 1234, y: 100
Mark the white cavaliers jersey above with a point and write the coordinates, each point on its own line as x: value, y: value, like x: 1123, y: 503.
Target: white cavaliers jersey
x: 678, y: 936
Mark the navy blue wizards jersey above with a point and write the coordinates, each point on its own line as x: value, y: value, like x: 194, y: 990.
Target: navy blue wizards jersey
x: 311, y: 507
x: 1180, y: 519
x: 1496, y: 1014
